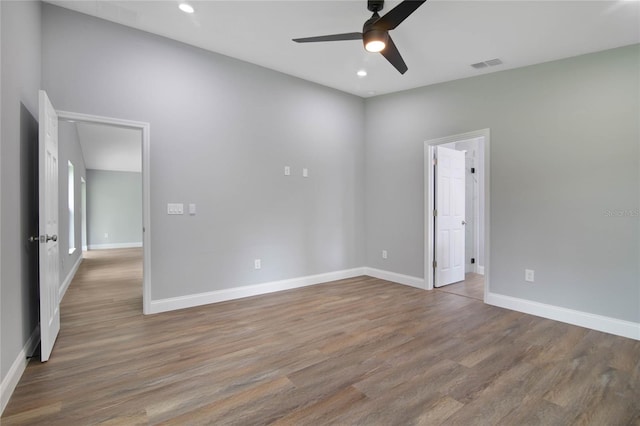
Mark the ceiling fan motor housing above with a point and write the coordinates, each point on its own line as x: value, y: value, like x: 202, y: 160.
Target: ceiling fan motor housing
x: 375, y: 5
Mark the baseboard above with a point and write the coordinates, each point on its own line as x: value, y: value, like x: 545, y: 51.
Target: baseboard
x: 182, y: 302
x: 14, y: 374
x: 396, y: 278
x: 69, y: 278
x: 583, y: 319
x: 113, y: 246
x: 480, y: 270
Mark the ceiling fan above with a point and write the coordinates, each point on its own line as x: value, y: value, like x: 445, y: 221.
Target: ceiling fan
x: 375, y: 32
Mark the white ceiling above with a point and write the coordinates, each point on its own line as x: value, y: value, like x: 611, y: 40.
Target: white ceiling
x: 438, y: 42
x: 107, y: 147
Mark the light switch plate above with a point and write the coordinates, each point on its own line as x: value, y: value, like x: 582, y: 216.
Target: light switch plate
x: 287, y: 170
x: 305, y: 172
x: 175, y: 208
x: 192, y: 209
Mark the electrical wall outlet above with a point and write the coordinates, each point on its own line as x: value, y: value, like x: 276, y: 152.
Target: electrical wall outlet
x: 287, y: 170
x: 384, y: 254
x: 257, y: 264
x: 529, y: 275
x: 106, y: 235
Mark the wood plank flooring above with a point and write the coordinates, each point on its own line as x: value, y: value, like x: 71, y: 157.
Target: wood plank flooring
x: 472, y: 286
x: 360, y: 351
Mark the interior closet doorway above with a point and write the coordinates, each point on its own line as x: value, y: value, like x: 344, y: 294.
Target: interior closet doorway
x: 448, y: 246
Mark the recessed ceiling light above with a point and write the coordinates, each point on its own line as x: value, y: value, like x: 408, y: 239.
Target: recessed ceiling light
x: 362, y: 73
x: 186, y: 8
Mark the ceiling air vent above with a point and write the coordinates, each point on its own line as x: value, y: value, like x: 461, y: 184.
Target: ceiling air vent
x: 479, y: 65
x: 488, y: 63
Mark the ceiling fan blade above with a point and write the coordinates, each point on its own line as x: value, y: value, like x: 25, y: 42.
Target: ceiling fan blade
x: 398, y: 14
x: 332, y: 37
x: 393, y: 56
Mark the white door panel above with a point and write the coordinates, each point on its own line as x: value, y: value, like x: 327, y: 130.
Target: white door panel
x: 48, y: 224
x: 449, y: 221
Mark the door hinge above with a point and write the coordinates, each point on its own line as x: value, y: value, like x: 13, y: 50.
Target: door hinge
x: 435, y: 161
x: 473, y: 170
x: 473, y: 260
x: 435, y: 212
x: 435, y: 264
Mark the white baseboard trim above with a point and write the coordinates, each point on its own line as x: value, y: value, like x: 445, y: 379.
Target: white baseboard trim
x: 67, y: 281
x: 182, y: 302
x: 396, y: 278
x: 583, y: 319
x: 14, y: 374
x: 480, y: 270
x: 113, y: 246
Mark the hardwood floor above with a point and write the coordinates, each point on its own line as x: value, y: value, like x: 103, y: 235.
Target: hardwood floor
x: 472, y: 286
x: 354, y: 352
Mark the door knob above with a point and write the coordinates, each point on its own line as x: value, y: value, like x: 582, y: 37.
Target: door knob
x: 464, y: 222
x: 51, y: 238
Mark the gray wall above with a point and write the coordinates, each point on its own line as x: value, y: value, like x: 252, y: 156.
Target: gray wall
x: 69, y: 150
x: 221, y: 132
x: 114, y: 207
x: 564, y: 151
x: 20, y: 56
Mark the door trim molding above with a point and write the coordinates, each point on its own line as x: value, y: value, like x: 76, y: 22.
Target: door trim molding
x: 146, y: 189
x: 428, y: 201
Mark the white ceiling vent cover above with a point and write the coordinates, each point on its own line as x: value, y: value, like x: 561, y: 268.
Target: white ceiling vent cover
x: 487, y: 63
x: 493, y: 62
x: 479, y: 65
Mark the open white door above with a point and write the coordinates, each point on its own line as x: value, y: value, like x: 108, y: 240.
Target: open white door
x: 48, y: 222
x: 449, y: 218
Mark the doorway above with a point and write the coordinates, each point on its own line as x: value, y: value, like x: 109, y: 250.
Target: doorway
x: 144, y: 130
x: 474, y: 146
x: 83, y: 213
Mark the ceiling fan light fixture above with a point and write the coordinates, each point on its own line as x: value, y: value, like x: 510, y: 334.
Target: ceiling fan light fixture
x: 375, y: 40
x: 375, y: 31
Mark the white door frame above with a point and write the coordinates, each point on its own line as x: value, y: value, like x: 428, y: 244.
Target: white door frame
x: 146, y: 199
x: 83, y: 212
x: 429, y: 204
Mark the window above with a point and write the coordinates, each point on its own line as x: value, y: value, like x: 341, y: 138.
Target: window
x: 72, y: 228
